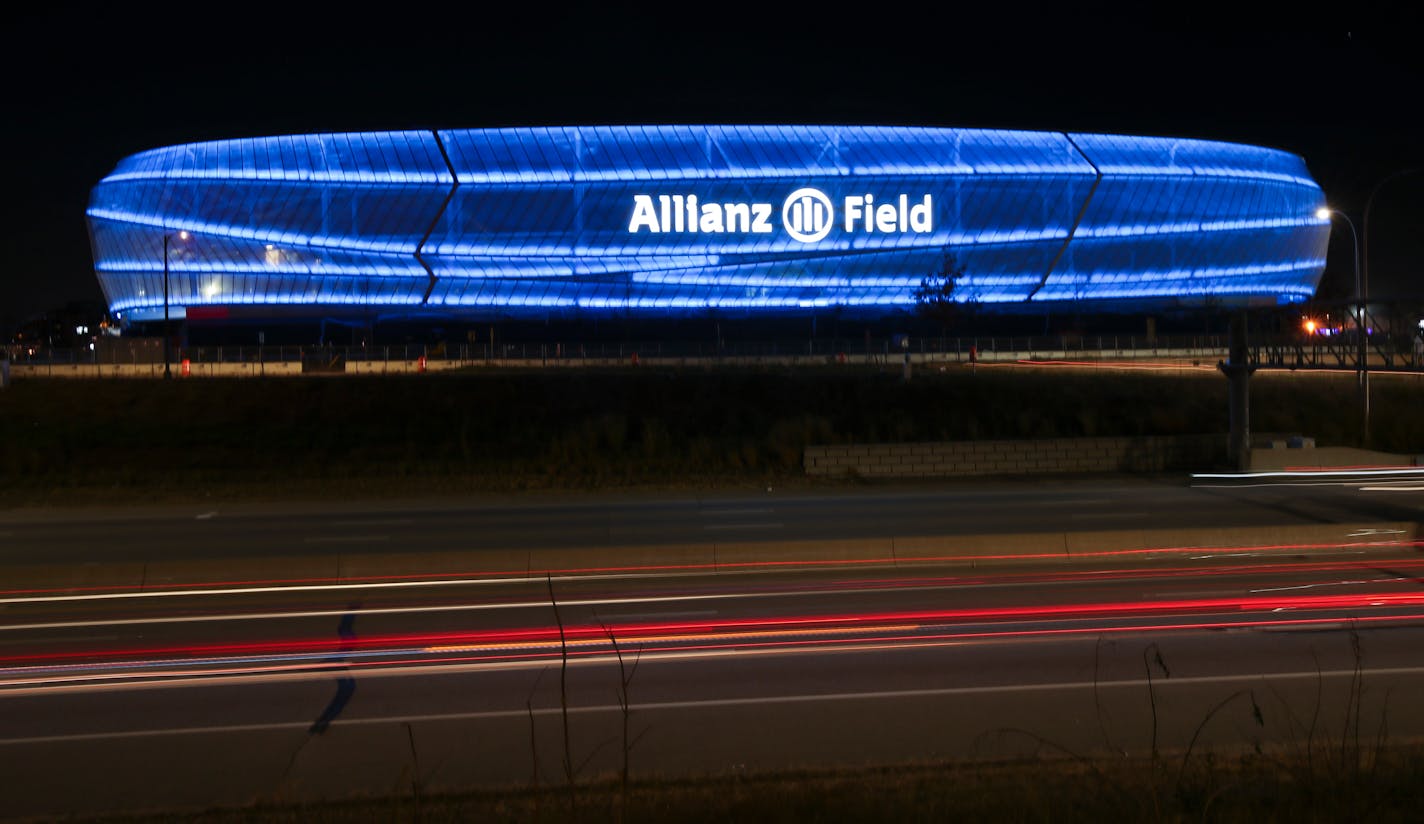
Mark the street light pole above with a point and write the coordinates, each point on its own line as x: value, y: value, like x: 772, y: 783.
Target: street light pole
x: 1365, y: 224
x: 1365, y: 244
x: 167, y: 370
x: 1362, y: 364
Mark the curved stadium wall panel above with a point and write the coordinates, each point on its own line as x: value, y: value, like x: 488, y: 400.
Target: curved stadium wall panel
x: 675, y: 219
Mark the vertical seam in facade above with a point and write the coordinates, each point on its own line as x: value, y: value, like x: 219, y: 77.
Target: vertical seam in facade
x: 1077, y: 219
x: 450, y: 195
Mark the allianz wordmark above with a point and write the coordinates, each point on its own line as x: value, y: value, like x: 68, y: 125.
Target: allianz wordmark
x: 807, y: 215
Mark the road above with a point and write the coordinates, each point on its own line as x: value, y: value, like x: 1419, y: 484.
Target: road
x: 259, y: 532
x: 200, y: 693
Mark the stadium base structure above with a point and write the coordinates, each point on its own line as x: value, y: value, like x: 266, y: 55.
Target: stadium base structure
x: 662, y: 221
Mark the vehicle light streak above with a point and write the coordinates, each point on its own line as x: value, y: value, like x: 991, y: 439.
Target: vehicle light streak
x: 1280, y: 484
x: 1307, y: 472
x: 479, y: 607
x: 664, y: 639
x: 414, y: 660
x: 817, y: 589
x: 727, y: 629
x: 1136, y: 684
x: 52, y: 595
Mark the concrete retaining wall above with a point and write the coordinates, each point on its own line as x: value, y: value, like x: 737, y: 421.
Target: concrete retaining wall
x: 1016, y: 457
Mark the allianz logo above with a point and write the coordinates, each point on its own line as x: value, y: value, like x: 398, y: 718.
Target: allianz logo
x: 807, y: 215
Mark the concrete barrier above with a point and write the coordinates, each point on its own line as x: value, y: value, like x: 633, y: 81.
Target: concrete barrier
x: 944, y: 459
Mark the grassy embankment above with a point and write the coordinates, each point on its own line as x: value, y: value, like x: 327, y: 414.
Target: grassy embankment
x: 521, y: 430
x: 1383, y: 786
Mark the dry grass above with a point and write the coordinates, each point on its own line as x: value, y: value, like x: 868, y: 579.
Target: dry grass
x: 521, y: 430
x: 1252, y: 788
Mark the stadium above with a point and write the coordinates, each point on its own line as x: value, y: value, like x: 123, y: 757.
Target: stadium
x: 663, y: 221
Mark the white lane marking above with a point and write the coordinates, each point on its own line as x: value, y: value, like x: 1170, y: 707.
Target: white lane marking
x: 267, y: 616
x: 813, y: 698
x: 1308, y: 553
x: 1392, y: 489
x: 1326, y: 584
x: 348, y: 539
x: 395, y: 522
x: 205, y: 516
x: 728, y: 512
x: 1360, y: 533
x: 767, y: 525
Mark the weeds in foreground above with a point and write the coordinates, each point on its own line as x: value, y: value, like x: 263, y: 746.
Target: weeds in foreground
x: 624, y: 692
x: 567, y: 759
x: 1317, y: 774
x: 1247, y: 788
x: 1350, y: 768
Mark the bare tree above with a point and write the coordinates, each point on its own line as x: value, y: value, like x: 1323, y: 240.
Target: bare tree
x: 934, y: 297
x: 625, y: 681
x: 568, y: 763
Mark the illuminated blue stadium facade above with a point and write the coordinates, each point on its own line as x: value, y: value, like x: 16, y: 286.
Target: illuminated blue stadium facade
x: 664, y: 220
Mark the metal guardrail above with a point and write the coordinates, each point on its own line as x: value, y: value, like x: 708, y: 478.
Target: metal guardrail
x: 959, y: 347
x: 1294, y: 352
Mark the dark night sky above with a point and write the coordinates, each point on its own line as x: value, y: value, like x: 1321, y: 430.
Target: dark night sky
x: 86, y: 88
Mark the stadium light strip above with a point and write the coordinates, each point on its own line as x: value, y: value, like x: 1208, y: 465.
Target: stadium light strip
x: 448, y: 249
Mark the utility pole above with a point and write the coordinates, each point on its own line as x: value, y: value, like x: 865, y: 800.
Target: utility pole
x: 1238, y: 370
x: 167, y: 371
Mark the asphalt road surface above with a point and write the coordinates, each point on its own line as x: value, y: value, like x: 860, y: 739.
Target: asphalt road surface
x: 234, y: 697
x: 261, y: 531
x: 240, y: 692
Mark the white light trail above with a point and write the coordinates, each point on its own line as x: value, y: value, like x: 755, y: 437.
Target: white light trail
x: 755, y: 701
x: 1312, y: 473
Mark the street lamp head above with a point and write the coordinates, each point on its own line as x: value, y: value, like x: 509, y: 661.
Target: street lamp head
x: 1323, y: 213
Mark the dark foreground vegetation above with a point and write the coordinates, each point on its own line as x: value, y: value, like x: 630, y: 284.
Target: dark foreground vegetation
x: 511, y: 430
x: 1377, y: 785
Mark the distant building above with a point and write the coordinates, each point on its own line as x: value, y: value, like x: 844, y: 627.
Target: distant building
x: 73, y: 326
x: 660, y: 221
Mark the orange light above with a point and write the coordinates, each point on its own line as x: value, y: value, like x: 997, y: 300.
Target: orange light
x: 1310, y: 327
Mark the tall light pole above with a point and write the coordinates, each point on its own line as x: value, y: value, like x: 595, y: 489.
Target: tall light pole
x: 167, y: 370
x: 1365, y: 223
x: 1362, y: 365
